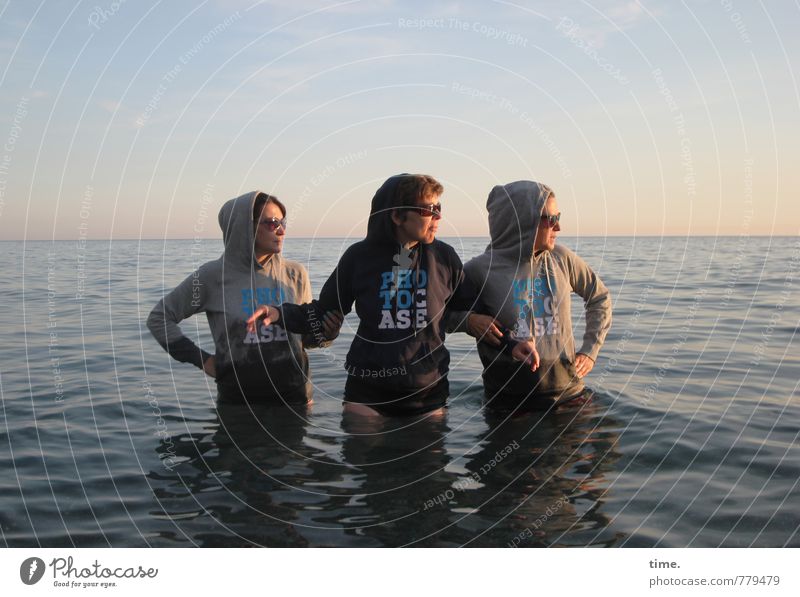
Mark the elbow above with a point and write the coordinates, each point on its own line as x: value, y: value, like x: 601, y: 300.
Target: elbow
x: 155, y: 321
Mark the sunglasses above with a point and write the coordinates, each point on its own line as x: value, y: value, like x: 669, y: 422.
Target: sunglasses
x: 273, y: 223
x: 427, y: 211
x: 550, y: 221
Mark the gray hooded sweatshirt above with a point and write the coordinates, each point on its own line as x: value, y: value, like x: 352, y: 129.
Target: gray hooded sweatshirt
x: 530, y: 296
x: 268, y: 366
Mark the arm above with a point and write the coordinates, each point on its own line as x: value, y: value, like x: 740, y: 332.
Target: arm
x: 310, y: 317
x: 481, y: 327
x: 461, y: 314
x: 183, y: 302
x: 331, y: 323
x: 597, y: 304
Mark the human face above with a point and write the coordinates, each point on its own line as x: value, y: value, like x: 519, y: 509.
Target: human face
x: 269, y: 242
x: 413, y: 227
x: 546, y: 236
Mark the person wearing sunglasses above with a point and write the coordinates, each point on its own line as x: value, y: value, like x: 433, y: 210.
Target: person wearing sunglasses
x: 525, y: 281
x: 263, y: 365
x: 401, y: 280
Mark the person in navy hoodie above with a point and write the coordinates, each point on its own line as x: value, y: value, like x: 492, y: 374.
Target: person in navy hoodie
x: 401, y: 280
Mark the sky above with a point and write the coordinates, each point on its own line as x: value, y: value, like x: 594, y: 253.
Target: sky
x: 139, y: 119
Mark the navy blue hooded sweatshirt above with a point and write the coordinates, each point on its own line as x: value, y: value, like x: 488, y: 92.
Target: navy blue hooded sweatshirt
x: 398, y: 362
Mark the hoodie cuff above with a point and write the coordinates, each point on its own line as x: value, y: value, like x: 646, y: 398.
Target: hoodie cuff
x: 590, y: 350
x: 186, y: 351
x: 507, y: 342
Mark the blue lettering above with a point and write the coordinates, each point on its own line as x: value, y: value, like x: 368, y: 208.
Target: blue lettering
x: 247, y: 301
x: 263, y: 296
x: 386, y: 295
x: 521, y: 286
x: 404, y: 299
x: 404, y: 278
x: 386, y: 280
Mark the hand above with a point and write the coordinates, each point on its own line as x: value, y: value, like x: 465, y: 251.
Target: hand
x: 583, y: 364
x: 210, y: 366
x: 525, y: 351
x: 484, y: 328
x: 331, y: 324
x: 268, y: 313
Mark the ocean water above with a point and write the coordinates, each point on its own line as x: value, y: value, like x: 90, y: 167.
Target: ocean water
x: 692, y: 439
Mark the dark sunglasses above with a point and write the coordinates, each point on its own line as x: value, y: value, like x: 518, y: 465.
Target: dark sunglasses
x: 550, y: 221
x: 426, y: 211
x: 274, y: 223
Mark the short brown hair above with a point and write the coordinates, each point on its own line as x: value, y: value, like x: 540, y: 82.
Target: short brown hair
x: 415, y: 187
x: 261, y: 202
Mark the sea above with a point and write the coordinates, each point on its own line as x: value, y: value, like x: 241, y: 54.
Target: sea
x: 691, y: 439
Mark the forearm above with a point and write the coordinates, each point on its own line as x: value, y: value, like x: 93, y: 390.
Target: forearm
x: 169, y: 335
x: 598, y: 322
x: 597, y: 304
x: 301, y: 319
x: 456, y: 321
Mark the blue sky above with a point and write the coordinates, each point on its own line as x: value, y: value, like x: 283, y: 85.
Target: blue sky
x: 139, y: 119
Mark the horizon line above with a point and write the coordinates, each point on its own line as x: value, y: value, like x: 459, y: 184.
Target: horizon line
x: 193, y: 239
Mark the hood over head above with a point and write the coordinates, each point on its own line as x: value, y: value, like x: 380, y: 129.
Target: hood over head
x: 236, y: 222
x: 514, y: 213
x: 380, y: 227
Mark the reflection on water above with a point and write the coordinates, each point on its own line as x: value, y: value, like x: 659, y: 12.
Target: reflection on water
x: 258, y: 477
x: 235, y: 477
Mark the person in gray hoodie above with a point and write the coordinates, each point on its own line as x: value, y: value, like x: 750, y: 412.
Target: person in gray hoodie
x: 524, y: 280
x: 265, y: 365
